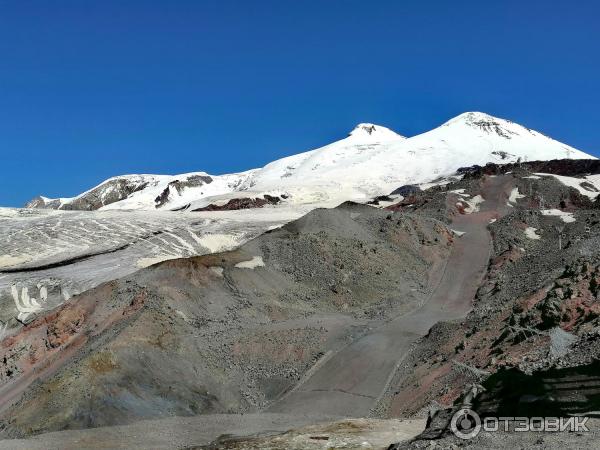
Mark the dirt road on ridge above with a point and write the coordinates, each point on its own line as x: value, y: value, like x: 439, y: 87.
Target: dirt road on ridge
x: 347, y: 383
x: 351, y: 381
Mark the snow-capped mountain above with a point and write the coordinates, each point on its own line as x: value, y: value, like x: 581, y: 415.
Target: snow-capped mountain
x: 145, y: 191
x: 372, y: 160
x: 110, y: 191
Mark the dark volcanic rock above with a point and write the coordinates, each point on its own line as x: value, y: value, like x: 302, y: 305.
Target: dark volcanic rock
x: 242, y: 203
x: 545, y: 393
x: 564, y: 167
x: 113, y: 190
x: 406, y: 190
x: 380, y: 198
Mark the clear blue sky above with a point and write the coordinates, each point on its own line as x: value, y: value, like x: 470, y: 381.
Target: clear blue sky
x: 91, y: 89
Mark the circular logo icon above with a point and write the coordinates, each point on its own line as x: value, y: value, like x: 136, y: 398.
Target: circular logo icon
x: 465, y: 423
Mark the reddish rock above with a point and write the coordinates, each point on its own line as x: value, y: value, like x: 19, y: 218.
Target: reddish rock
x: 68, y: 322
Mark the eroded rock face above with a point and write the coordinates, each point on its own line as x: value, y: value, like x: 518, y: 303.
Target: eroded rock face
x: 64, y: 326
x: 45, y: 343
x: 180, y: 186
x: 537, y: 308
x: 564, y: 167
x: 111, y: 191
x: 40, y: 202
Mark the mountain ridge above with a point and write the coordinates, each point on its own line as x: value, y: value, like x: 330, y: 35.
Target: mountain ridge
x: 370, y: 161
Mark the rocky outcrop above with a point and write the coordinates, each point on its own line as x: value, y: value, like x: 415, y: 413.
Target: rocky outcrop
x: 179, y: 186
x: 242, y: 203
x: 43, y: 203
x: 111, y: 191
x: 406, y: 190
x: 533, y: 334
x: 564, y: 167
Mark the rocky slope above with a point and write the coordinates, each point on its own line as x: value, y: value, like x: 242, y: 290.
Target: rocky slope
x: 242, y: 330
x: 529, y: 347
x: 226, y: 332
x: 49, y: 255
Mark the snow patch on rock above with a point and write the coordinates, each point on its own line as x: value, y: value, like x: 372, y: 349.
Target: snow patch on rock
x: 218, y: 242
x: 253, y: 263
x: 566, y: 217
x: 514, y: 196
x: 588, y: 186
x: 473, y: 204
x: 530, y: 232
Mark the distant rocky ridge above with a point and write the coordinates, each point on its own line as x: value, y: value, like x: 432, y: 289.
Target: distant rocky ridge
x: 111, y: 191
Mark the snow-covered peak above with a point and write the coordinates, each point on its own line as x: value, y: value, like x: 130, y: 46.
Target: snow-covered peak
x: 489, y: 125
x: 471, y: 117
x: 373, y: 133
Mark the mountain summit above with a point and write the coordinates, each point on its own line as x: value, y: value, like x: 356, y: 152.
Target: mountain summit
x: 373, y: 160
x: 374, y: 133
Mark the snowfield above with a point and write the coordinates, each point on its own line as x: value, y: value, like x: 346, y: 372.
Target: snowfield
x: 566, y: 217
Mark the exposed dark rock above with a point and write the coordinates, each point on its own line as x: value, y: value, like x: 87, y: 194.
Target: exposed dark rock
x: 406, y: 190
x: 179, y: 186
x: 112, y: 191
x: 556, y: 392
x: 242, y: 203
x: 380, y: 198
x: 564, y: 167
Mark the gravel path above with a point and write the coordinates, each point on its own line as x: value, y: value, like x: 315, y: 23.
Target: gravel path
x: 351, y: 382
x: 171, y: 433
